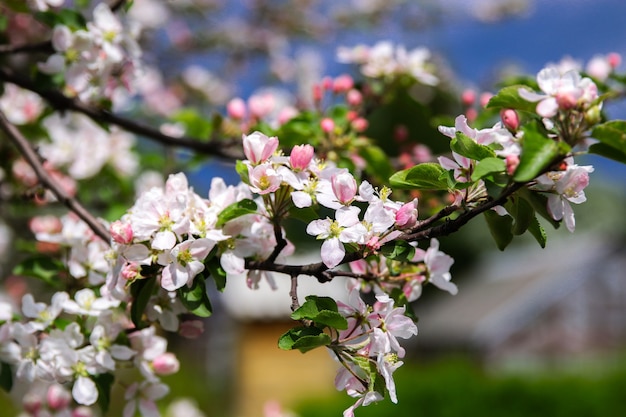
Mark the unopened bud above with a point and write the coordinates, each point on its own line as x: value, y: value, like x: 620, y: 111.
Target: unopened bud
x: 406, y: 216
x: 354, y: 98
x: 301, y: 156
x: 121, y: 232
x: 512, y: 162
x: 58, y: 397
x: 593, y: 115
x: 468, y: 97
x: 327, y: 124
x: 614, y: 59
x: 359, y: 124
x: 510, y: 119
x: 82, y: 411
x: 484, y: 99
x: 342, y: 84
x: 165, y: 364
x: 236, y: 108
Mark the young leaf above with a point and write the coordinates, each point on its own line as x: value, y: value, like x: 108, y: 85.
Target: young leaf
x: 612, y: 134
x: 467, y: 147
x: 235, y: 210
x: 195, y: 299
x: 427, y: 176
x: 242, y: 170
x: 303, y: 338
x: 6, y: 377
x: 217, y: 273
x: 42, y: 267
x: 141, y: 290
x: 608, y: 152
x: 103, y: 384
x: 509, y: 98
x: 322, y: 311
x: 488, y: 166
x: 500, y: 228
x: 398, y: 250
x: 522, y: 213
x: 538, y: 232
x: 538, y: 152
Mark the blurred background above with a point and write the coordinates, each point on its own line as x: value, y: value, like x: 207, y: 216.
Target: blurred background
x: 532, y: 330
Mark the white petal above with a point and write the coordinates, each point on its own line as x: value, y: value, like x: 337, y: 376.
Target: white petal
x: 84, y: 391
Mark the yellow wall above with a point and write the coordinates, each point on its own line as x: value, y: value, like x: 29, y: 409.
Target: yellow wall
x: 267, y: 373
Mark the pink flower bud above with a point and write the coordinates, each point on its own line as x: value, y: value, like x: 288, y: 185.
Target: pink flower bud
x: 343, y: 83
x: 82, y: 411
x: 406, y: 216
x: 614, y: 59
x: 121, y: 232
x: 31, y: 403
x: 344, y: 187
x: 471, y: 114
x: 191, y: 329
x: 327, y: 124
x: 351, y: 115
x: 327, y: 83
x: 23, y: 172
x: 301, y: 156
x: 258, y: 147
x: 45, y: 224
x: 468, y: 97
x: 510, y: 119
x: 354, y: 98
x: 512, y: 161
x: 236, y: 108
x: 484, y: 99
x: 58, y: 397
x: 131, y: 271
x: 165, y: 364
x: 400, y: 133
x: 359, y: 124
x: 317, y: 93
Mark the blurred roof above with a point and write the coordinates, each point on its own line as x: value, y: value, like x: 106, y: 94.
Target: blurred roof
x: 511, y: 289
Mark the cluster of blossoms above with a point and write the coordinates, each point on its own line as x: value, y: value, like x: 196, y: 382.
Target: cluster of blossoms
x: 386, y: 60
x: 97, y: 61
x: 369, y: 347
x: 73, y: 342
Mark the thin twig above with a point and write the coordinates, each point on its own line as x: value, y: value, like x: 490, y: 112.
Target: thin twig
x: 293, y: 292
x: 62, y: 102
x: 34, y: 161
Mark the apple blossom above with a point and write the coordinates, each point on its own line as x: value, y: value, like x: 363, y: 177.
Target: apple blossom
x: 258, y: 147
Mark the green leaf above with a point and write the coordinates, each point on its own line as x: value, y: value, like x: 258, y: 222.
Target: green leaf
x: 488, y: 166
x: 608, y: 152
x: 6, y: 377
x: 304, y: 214
x: 427, y: 176
x: 41, y: 267
x: 19, y: 6
x: 235, y: 210
x: 538, y: 152
x: 509, y: 98
x: 539, y: 203
x: 538, y: 232
x: 500, y: 228
x: 398, y: 250
x: 523, y: 214
x: 217, y: 273
x: 195, y: 298
x: 303, y: 338
x: 196, y: 125
x: 322, y: 311
x: 67, y: 17
x: 141, y: 290
x: 613, y: 135
x: 242, y: 170
x: 103, y: 383
x: 467, y: 147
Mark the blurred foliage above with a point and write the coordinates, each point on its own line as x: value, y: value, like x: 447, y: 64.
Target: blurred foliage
x: 455, y: 387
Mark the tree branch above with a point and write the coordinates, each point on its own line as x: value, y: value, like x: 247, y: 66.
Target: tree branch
x: 34, y: 161
x: 62, y: 102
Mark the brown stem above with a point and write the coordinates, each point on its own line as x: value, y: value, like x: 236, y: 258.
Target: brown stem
x: 62, y: 102
x: 293, y: 292
x: 34, y: 161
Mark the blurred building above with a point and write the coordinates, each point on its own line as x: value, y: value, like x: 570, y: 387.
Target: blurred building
x: 567, y: 301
